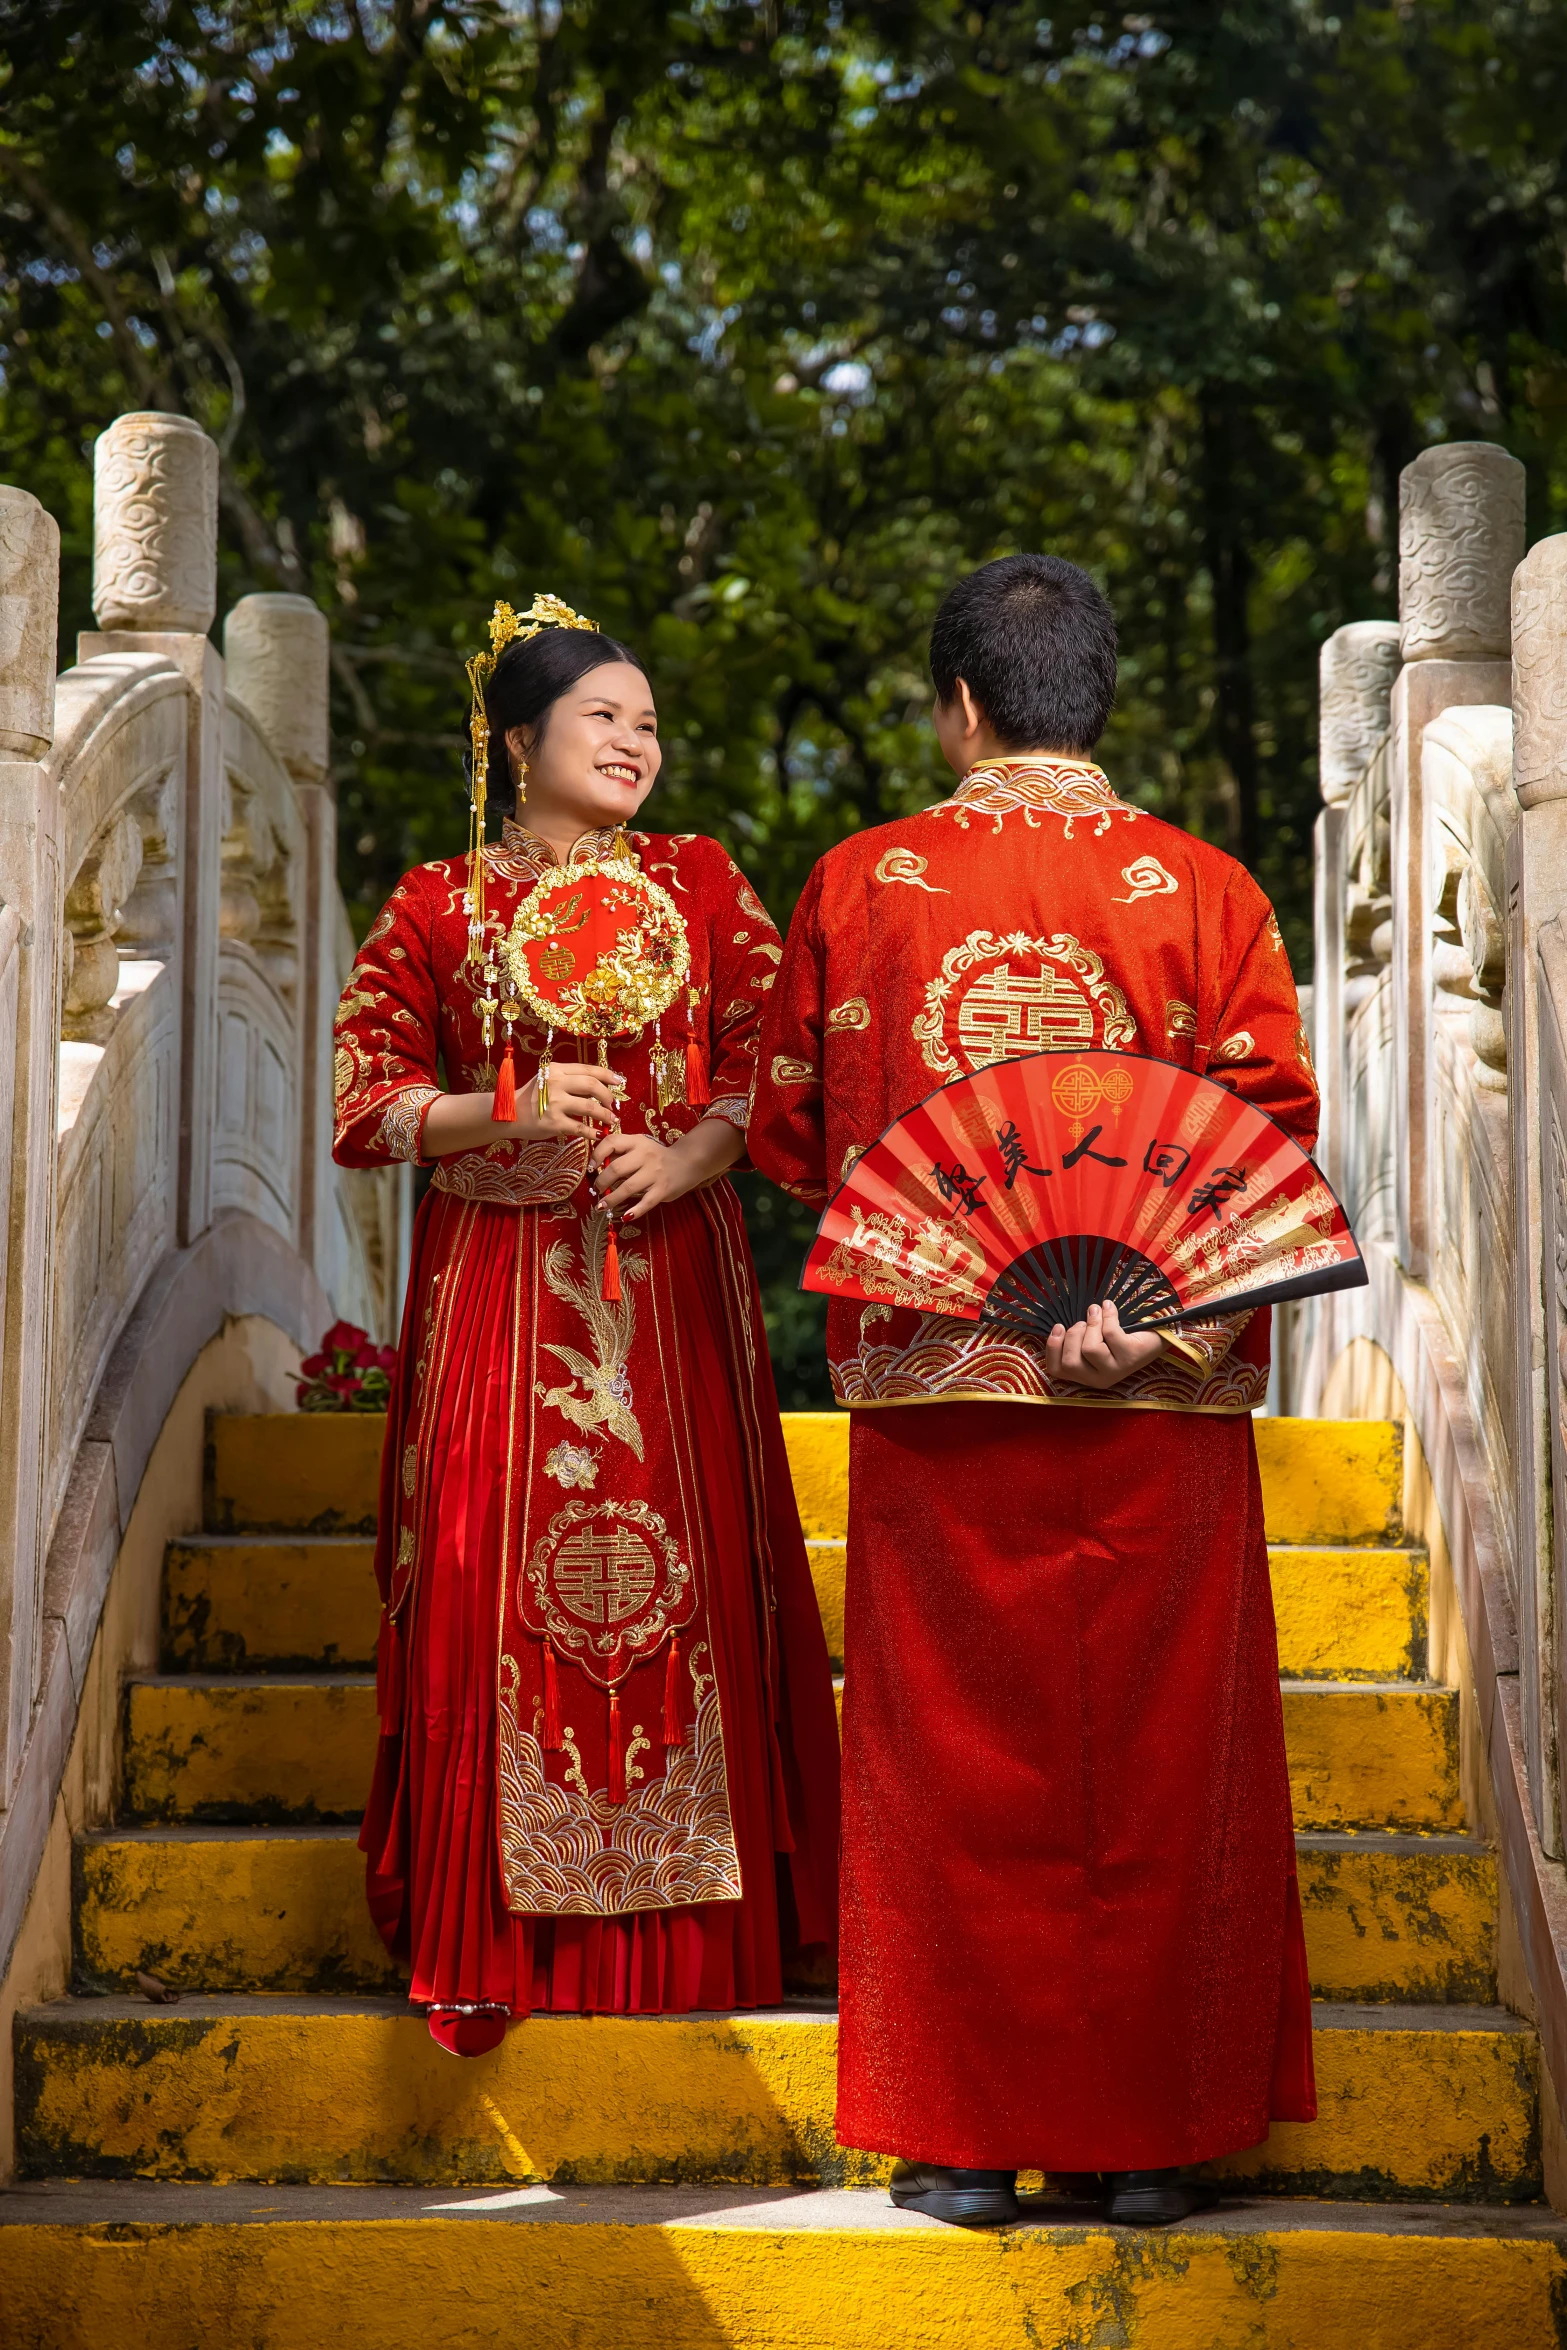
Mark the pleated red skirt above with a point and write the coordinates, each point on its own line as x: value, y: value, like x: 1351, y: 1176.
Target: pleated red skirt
x: 431, y: 1827
x: 1071, y: 1933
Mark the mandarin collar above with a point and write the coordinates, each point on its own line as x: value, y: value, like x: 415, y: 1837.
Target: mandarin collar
x: 521, y: 856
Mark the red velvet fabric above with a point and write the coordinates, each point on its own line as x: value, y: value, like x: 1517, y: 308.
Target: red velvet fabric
x: 431, y: 1826
x: 1071, y: 1934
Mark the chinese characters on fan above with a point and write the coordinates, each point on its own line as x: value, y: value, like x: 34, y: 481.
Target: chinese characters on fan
x: 1169, y: 1161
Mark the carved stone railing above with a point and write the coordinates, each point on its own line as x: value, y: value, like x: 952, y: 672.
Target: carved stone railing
x: 1440, y: 1031
x: 172, y: 943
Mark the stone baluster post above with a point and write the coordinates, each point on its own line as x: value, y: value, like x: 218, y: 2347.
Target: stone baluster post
x: 155, y: 547
x: 1535, y: 919
x: 277, y: 651
x: 1460, y: 536
x: 1358, y: 664
x: 31, y: 925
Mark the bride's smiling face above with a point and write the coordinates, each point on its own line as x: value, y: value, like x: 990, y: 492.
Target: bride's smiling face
x: 596, y: 755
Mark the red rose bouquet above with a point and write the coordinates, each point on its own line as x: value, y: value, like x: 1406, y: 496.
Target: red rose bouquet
x: 350, y: 1374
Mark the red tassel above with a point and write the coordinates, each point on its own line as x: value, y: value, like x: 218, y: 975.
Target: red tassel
x: 609, y: 1287
x: 505, y: 1105
x: 697, y: 1093
x: 553, y: 1742
x: 674, y: 1726
x: 617, y: 1753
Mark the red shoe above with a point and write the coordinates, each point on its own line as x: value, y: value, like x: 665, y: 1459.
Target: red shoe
x: 468, y: 2031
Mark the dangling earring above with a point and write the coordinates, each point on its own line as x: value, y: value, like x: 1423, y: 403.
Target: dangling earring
x: 522, y: 779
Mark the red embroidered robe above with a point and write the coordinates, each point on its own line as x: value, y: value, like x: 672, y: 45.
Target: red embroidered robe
x: 1071, y: 1933
x: 589, y: 1552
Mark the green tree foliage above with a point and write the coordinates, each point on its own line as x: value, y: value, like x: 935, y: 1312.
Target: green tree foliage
x: 746, y: 326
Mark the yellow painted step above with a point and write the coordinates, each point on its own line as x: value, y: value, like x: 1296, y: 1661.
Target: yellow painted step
x: 1351, y: 1614
x: 672, y: 2269
x: 1373, y: 1755
x: 311, y: 1472
x: 1399, y: 1918
x: 228, y: 1909
x: 1361, y: 1755
x: 1439, y: 2103
x: 272, y: 1909
x: 236, y: 1748
x: 234, y: 1603
x: 237, y: 1603
x: 1323, y: 1481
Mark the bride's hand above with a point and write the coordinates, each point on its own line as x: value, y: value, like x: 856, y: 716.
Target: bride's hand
x: 582, y: 1099
x: 1097, y: 1352
x: 634, y: 1173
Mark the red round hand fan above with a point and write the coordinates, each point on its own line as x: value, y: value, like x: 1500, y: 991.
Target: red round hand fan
x: 1040, y: 1186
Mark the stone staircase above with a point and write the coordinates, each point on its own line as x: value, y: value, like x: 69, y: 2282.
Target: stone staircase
x: 284, y: 2156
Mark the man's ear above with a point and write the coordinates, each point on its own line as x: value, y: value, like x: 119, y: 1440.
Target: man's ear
x: 973, y: 715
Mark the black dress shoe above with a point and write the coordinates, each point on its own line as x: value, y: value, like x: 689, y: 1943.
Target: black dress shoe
x: 1153, y: 2198
x: 965, y: 2198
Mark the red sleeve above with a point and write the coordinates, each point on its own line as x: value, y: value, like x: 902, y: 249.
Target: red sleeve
x: 788, y: 1131
x: 743, y: 961
x: 1258, y: 1046
x: 384, y: 1039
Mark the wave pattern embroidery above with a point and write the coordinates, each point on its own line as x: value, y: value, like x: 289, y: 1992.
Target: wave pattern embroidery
x: 945, y: 1362
x: 564, y: 1854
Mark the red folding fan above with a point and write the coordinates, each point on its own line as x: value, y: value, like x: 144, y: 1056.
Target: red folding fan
x: 1040, y: 1186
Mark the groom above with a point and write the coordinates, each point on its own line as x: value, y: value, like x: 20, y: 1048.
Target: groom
x: 1071, y: 1934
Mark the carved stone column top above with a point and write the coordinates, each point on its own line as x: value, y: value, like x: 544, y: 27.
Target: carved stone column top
x: 29, y: 615
x: 1460, y: 538
x: 1357, y: 667
x: 1540, y: 673
x: 278, y: 651
x: 155, y: 525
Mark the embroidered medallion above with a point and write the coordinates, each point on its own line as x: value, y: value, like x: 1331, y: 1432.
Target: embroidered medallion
x: 996, y: 998
x: 903, y: 865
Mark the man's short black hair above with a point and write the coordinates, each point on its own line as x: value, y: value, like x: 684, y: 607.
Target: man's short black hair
x: 1033, y: 639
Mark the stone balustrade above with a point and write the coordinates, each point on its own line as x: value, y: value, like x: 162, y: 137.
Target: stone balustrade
x: 1440, y: 1034
x: 172, y: 944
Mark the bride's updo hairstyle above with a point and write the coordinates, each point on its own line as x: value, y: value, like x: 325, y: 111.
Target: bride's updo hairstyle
x: 528, y: 679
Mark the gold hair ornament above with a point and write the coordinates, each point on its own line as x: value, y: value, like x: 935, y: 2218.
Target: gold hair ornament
x: 506, y: 627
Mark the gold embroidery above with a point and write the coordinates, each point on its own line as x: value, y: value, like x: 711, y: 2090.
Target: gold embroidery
x: 853, y: 1014
x: 1002, y: 1013
x: 572, y: 1465
x: 1069, y: 788
x: 607, y: 1400
x: 410, y: 1469
x: 740, y: 1010
x: 851, y: 1158
x: 733, y: 1108
x: 405, y: 1546
x: 1236, y: 1047
x: 787, y: 1071
x: 1145, y: 877
x: 566, y: 1853
x: 402, y: 1119
x: 954, y: 1362
x: 638, y: 1743
x: 522, y: 856
x: 749, y: 903
x: 904, y: 865
x: 607, y: 1577
x: 343, y: 1072
x: 1179, y: 1019
x: 513, y: 1175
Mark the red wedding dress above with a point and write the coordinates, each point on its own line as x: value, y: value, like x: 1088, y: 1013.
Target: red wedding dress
x: 1071, y: 1933
x: 565, y: 1475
